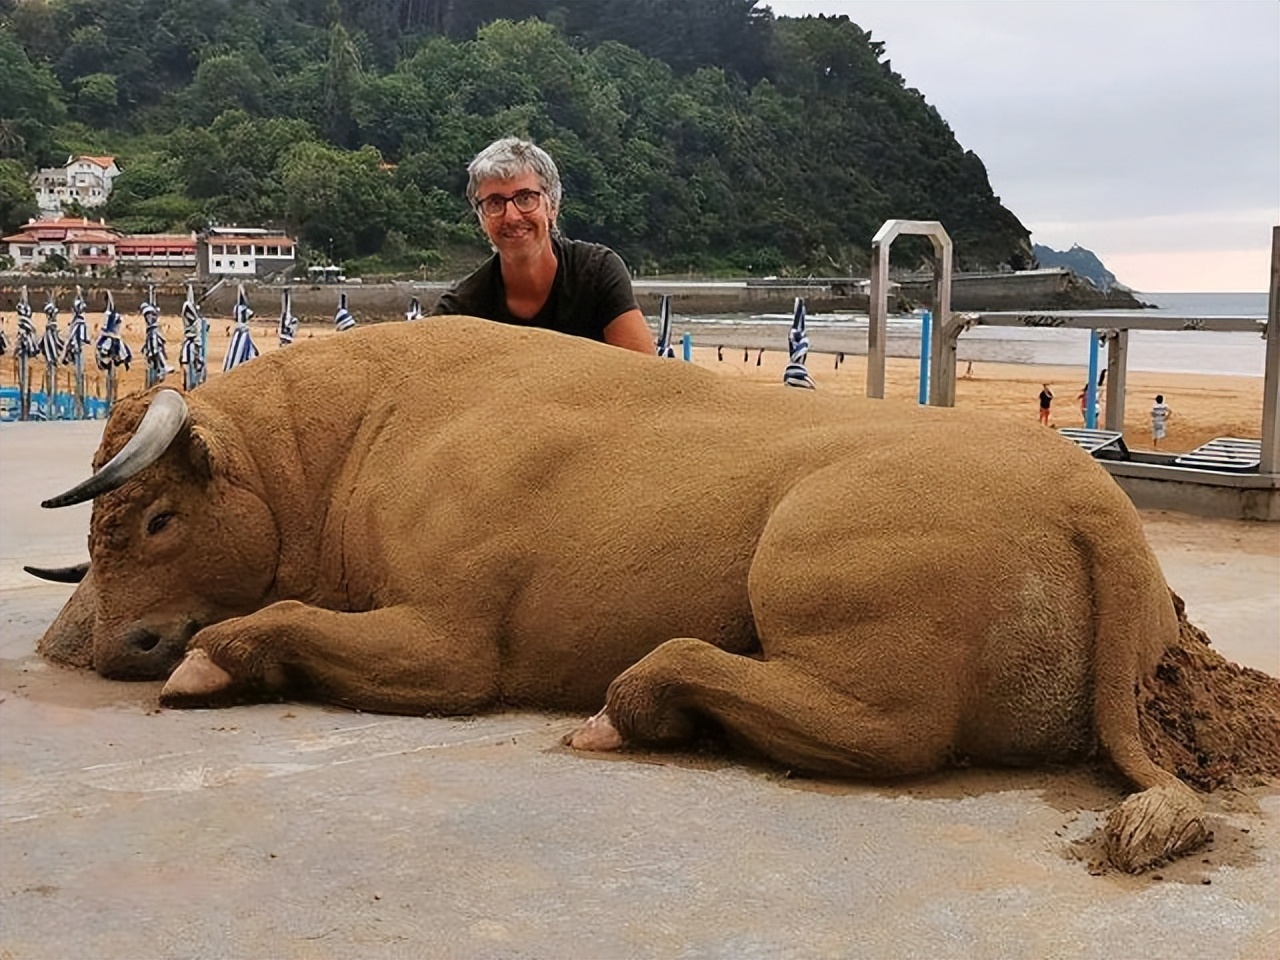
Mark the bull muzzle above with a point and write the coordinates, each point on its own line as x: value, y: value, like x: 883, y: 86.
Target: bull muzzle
x: 143, y: 651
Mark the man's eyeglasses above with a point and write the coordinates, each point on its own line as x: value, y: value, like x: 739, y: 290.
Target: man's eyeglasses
x: 495, y: 204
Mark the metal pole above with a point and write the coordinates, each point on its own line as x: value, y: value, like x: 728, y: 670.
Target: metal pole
x: 1117, y: 373
x: 1270, y: 462
x: 877, y: 311
x: 1091, y: 388
x: 926, y: 325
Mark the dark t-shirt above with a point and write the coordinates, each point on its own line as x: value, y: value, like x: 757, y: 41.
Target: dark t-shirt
x: 592, y: 288
x: 1046, y: 398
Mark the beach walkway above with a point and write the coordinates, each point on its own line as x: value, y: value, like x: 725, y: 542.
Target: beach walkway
x: 290, y: 830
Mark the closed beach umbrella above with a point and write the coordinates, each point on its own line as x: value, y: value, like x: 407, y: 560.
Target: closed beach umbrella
x: 796, y: 374
x: 73, y: 351
x: 109, y: 349
x: 415, y: 310
x: 51, y: 348
x: 26, y: 350
x: 241, y: 349
x: 153, y: 342
x: 4, y: 339
x: 343, y: 320
x: 288, y: 322
x: 665, y: 349
x: 192, y: 354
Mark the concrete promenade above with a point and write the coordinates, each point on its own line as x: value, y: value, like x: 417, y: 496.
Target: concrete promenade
x: 290, y: 830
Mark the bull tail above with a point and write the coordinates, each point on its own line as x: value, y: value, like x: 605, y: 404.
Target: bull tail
x: 1134, y: 621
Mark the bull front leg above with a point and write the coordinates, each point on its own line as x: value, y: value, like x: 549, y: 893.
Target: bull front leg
x: 390, y: 660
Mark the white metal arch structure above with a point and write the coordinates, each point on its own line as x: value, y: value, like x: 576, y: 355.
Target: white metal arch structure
x: 940, y: 347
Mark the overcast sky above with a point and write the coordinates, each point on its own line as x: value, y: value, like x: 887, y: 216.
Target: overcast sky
x: 1148, y: 132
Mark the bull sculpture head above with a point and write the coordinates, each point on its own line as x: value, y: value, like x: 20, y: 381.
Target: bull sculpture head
x: 163, y: 563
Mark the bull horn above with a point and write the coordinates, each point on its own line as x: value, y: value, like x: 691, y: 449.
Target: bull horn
x: 160, y: 424
x: 60, y: 574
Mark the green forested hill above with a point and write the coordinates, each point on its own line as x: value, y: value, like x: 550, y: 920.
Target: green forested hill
x: 706, y: 136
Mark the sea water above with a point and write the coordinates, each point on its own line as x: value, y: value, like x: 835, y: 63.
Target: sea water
x: 1162, y: 351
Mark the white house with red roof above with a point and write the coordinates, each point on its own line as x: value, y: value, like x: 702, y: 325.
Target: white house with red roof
x: 94, y: 247
x: 84, y: 179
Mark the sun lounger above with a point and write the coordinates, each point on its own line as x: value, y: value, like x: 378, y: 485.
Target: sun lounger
x: 1224, y: 453
x: 1096, y: 441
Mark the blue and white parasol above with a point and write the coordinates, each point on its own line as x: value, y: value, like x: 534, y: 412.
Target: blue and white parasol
x: 192, y: 354
x: 110, y: 348
x: 343, y: 319
x: 415, y: 310
x: 288, y: 328
x: 153, y: 347
x: 796, y: 374
x: 51, y: 345
x: 241, y: 349
x: 73, y: 350
x: 665, y: 349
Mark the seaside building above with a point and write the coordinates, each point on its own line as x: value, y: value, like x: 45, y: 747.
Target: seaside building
x: 159, y: 256
x: 85, y: 180
x: 243, y: 252
x: 88, y: 246
x: 95, y: 248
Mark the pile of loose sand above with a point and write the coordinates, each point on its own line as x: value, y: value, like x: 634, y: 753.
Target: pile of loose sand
x: 1208, y: 720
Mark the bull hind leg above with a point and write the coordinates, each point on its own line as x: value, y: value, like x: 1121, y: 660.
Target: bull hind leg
x: 772, y: 707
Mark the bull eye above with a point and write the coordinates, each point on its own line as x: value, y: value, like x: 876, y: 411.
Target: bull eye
x: 158, y: 523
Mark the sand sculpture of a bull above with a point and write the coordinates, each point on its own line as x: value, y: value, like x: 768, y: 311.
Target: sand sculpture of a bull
x: 457, y: 516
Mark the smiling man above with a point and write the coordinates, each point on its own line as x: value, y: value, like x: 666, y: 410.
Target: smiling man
x: 537, y: 277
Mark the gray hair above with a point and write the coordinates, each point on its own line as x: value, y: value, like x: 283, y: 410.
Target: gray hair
x: 508, y: 158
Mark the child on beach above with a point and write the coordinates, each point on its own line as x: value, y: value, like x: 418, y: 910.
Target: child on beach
x: 1046, y: 398
x: 1160, y: 414
x: 1084, y: 405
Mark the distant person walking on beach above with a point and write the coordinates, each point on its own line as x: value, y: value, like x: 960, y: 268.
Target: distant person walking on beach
x: 1046, y: 398
x: 1160, y: 414
x: 536, y: 277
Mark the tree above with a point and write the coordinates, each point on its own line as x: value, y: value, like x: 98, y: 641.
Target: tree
x: 17, y: 198
x: 31, y: 102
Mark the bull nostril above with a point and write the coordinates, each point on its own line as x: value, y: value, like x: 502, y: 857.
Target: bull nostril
x: 143, y: 640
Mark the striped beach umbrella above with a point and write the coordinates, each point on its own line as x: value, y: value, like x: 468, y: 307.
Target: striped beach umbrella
x: 343, y: 319
x: 110, y: 350
x: 153, y: 347
x: 192, y: 355
x: 415, y: 310
x: 796, y: 374
x: 288, y: 328
x: 4, y: 338
x: 665, y: 349
x: 73, y: 351
x: 51, y: 348
x: 26, y: 350
x: 241, y: 349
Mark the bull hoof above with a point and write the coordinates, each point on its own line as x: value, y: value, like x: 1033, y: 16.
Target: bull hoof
x: 196, y: 681
x: 1154, y: 826
x: 597, y: 734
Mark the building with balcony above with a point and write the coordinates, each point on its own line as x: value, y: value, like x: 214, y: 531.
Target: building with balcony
x: 159, y: 256
x: 244, y: 252
x: 86, y: 180
x: 88, y: 246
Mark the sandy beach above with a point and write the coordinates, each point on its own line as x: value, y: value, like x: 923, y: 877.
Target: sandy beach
x: 1203, y: 406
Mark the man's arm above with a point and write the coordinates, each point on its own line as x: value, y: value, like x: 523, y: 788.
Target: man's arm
x: 630, y: 330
